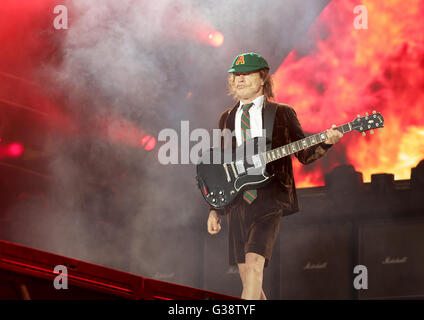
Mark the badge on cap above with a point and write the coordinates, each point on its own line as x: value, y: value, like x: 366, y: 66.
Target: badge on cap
x: 240, y: 60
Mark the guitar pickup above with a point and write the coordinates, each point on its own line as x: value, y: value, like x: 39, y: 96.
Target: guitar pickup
x: 257, y: 161
x: 240, y: 167
x: 227, y: 173
x: 234, y: 169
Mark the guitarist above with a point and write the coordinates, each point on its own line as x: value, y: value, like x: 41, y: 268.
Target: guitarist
x: 254, y: 218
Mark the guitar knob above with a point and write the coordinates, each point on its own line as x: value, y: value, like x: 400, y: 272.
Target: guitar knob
x: 222, y: 199
x: 232, y: 192
x: 212, y: 193
x: 221, y: 192
x: 213, y: 200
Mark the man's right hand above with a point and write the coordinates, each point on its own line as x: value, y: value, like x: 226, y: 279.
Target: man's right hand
x: 214, y: 222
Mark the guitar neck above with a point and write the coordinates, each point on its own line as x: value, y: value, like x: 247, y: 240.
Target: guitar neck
x: 302, y: 144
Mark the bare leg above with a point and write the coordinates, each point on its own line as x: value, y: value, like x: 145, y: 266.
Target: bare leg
x: 252, y: 276
x: 242, y: 272
x: 263, y: 296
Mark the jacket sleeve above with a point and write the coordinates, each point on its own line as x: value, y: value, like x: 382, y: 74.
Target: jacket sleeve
x: 310, y: 154
x: 222, y: 119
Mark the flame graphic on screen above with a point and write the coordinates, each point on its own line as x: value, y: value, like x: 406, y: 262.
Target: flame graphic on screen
x: 341, y: 71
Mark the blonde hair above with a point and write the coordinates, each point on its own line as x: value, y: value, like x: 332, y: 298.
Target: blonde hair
x: 267, y: 88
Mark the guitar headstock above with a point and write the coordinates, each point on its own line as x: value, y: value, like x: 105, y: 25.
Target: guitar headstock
x: 368, y: 122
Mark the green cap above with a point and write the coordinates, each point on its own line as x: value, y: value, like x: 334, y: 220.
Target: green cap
x: 250, y: 61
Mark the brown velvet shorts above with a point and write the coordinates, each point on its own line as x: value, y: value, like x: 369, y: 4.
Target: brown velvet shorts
x: 252, y: 228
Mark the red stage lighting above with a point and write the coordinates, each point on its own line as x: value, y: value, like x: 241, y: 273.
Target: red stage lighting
x: 148, y: 142
x: 215, y: 38
x: 15, y: 149
x: 12, y: 150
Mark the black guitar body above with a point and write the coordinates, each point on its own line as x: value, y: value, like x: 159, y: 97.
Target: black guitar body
x: 223, y: 175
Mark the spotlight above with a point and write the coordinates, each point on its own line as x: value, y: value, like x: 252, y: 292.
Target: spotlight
x: 215, y: 38
x: 148, y: 142
x: 15, y: 149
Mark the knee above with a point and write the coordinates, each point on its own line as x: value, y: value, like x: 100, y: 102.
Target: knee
x: 253, y: 268
x: 254, y: 265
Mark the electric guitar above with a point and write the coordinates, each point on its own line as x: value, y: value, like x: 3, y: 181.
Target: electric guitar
x: 224, y: 174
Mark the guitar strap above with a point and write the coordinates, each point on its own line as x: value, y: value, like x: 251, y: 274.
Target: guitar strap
x: 268, y: 118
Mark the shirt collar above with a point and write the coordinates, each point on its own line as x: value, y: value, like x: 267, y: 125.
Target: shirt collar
x: 258, y: 102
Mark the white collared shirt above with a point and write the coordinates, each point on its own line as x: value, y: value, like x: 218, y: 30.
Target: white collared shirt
x: 255, y: 113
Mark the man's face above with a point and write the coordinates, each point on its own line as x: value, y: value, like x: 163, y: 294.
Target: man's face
x: 248, y: 85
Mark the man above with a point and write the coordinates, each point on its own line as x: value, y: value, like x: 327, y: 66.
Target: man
x: 254, y: 218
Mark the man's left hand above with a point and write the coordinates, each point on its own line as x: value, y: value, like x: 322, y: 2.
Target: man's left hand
x: 333, y: 136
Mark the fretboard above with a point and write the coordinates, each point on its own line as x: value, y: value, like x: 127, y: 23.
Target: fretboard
x: 301, y: 144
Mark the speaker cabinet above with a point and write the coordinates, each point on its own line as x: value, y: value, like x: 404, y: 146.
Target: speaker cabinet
x: 316, y: 261
x: 393, y: 253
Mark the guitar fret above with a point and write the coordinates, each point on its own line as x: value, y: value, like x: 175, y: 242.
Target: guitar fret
x: 308, y: 141
x: 296, y: 143
x: 302, y: 144
x: 278, y: 153
x: 345, y: 128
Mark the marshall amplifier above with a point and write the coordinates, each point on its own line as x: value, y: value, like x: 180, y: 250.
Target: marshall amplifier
x: 316, y: 261
x: 393, y: 253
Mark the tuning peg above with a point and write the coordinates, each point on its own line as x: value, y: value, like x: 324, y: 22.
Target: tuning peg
x: 372, y: 131
x: 363, y: 133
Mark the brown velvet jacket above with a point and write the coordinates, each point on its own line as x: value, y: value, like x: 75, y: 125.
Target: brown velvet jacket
x: 281, y: 192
